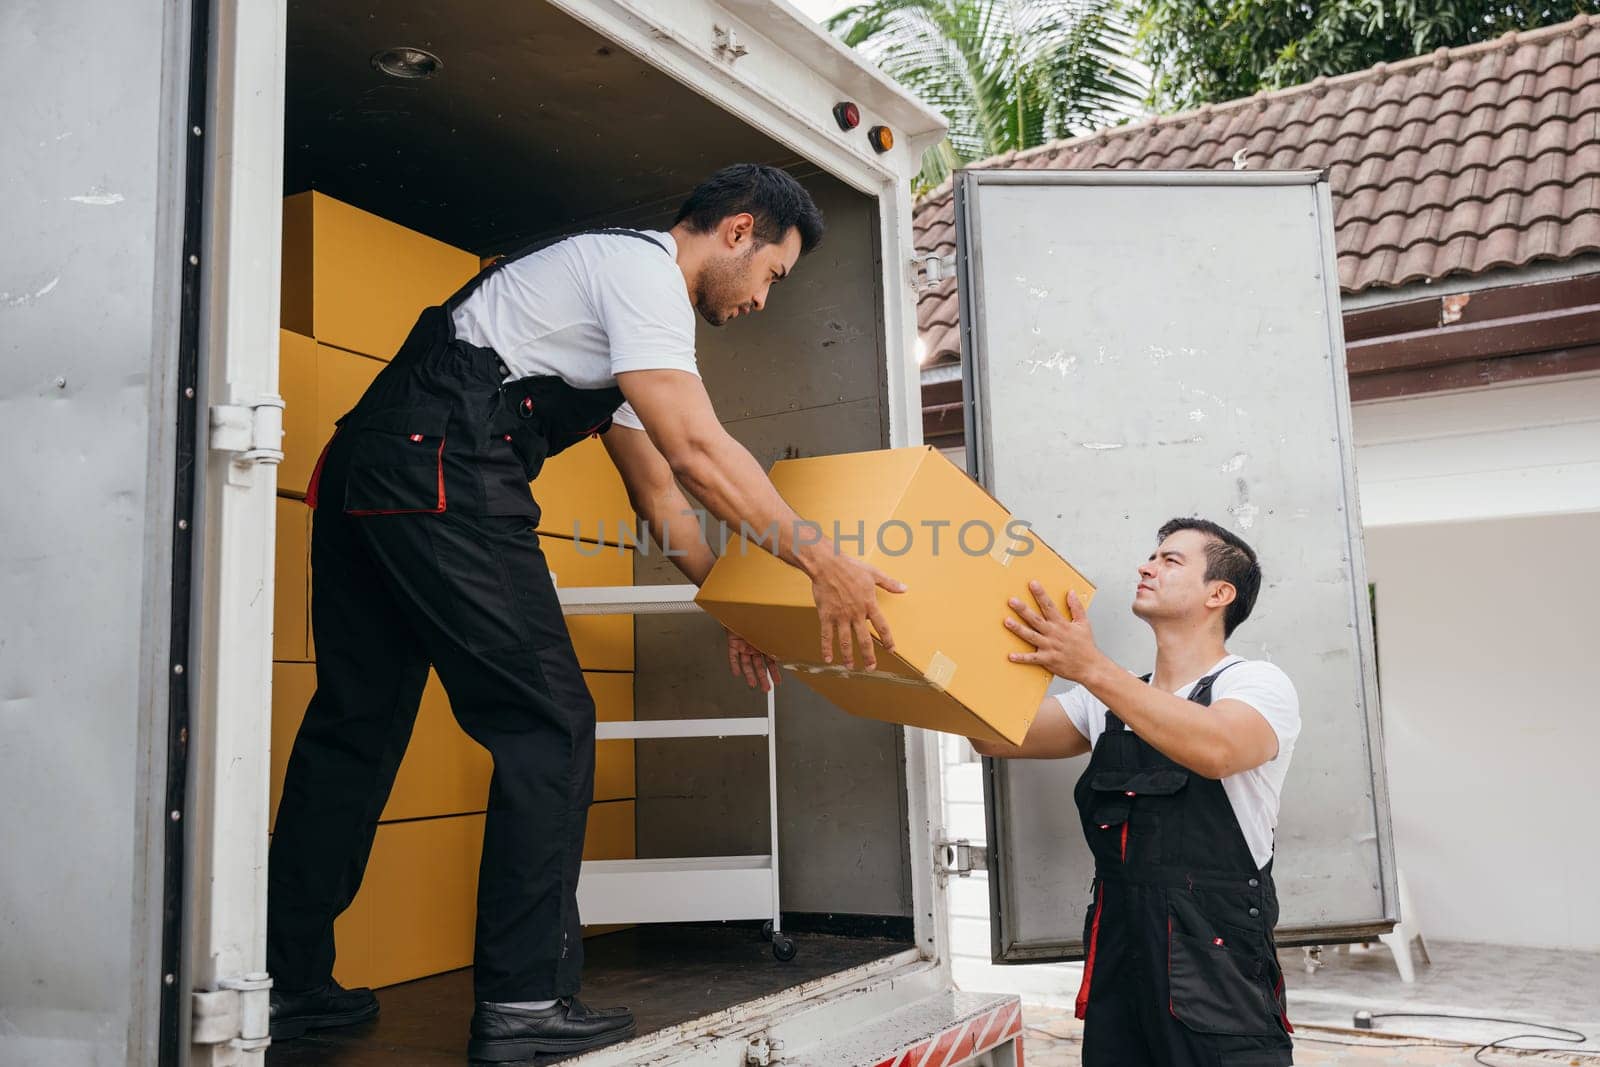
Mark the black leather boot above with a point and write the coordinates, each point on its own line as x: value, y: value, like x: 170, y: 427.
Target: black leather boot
x: 503, y: 1034
x: 293, y: 1014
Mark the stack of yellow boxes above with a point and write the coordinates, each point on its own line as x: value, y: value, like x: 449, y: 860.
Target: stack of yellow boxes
x: 353, y: 285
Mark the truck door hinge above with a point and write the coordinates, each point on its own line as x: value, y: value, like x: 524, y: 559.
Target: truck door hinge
x: 929, y: 270
x: 961, y: 857
x: 727, y: 45
x: 238, y: 1013
x: 763, y: 1053
x: 253, y: 432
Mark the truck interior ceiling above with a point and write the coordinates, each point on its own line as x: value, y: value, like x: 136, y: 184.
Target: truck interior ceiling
x: 477, y: 127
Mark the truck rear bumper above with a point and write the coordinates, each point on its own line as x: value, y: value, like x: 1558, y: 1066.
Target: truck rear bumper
x: 896, y: 1012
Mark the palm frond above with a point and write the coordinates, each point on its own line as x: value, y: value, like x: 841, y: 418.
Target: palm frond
x: 1007, y: 74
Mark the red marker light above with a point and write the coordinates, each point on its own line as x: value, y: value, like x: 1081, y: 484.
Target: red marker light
x: 847, y: 115
x: 881, y: 138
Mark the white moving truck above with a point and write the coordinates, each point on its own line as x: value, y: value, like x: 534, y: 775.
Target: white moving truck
x: 1138, y: 347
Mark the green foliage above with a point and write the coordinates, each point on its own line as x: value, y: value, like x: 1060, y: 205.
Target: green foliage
x: 1209, y: 51
x: 1006, y: 74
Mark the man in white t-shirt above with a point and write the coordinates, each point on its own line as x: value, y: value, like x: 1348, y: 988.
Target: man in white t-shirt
x: 424, y: 553
x: 1178, y: 803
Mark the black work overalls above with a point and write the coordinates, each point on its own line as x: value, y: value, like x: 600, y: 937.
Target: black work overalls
x: 423, y: 552
x: 1180, y: 966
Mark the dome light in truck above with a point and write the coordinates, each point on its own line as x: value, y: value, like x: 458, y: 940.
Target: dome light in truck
x: 410, y: 64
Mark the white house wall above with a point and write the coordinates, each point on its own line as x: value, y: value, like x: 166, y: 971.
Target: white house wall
x: 1516, y: 450
x: 1485, y: 644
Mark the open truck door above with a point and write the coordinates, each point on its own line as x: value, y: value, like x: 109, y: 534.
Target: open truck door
x: 1140, y: 346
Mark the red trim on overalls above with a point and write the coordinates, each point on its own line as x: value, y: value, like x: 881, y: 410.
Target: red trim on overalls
x: 1082, y: 1007
x: 316, y: 474
x: 1283, y: 1013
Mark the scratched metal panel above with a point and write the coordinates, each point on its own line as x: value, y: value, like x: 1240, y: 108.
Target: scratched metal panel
x: 88, y: 316
x: 1172, y: 346
x: 804, y: 377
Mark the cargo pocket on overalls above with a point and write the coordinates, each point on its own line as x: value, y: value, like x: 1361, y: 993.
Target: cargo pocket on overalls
x: 1217, y: 977
x: 396, y: 463
x: 1116, y: 791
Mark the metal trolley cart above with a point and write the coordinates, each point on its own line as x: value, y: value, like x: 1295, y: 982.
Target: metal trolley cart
x: 690, y: 889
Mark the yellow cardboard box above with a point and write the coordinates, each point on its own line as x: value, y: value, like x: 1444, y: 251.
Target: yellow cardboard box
x: 357, y: 281
x: 291, y: 604
x: 614, y: 766
x: 417, y: 906
x: 917, y: 517
x: 444, y: 771
x: 603, y: 642
x: 415, y: 912
x: 297, y: 383
x: 341, y: 379
x: 610, y: 833
x: 292, y: 687
x: 581, y: 495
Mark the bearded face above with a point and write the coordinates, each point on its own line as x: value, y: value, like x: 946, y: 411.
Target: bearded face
x: 728, y: 286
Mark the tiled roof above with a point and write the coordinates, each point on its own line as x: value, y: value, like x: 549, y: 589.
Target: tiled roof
x: 1456, y: 162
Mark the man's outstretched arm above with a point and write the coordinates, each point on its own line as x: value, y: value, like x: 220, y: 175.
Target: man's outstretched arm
x: 1052, y: 736
x: 1226, y: 738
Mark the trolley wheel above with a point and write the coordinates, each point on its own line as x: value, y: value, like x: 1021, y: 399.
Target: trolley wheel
x: 783, y: 948
x: 766, y: 930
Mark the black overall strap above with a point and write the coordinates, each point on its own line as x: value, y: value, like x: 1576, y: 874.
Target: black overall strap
x: 1200, y: 694
x: 460, y: 296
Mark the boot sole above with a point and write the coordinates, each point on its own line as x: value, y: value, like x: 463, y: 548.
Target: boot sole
x: 294, y: 1026
x: 512, y: 1049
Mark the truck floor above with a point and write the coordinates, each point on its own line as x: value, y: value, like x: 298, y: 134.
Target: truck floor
x: 666, y: 974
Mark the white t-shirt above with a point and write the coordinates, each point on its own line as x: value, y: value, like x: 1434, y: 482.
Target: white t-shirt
x: 1254, y: 794
x: 586, y: 309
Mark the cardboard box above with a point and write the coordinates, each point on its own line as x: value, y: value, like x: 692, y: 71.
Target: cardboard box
x: 342, y: 377
x: 417, y: 907
x: 357, y: 281
x: 948, y: 670
x: 291, y: 605
x: 444, y: 772
x: 415, y: 913
x: 297, y: 384
x: 610, y: 833
x: 292, y: 687
x: 614, y: 766
x: 581, y: 496
x: 603, y: 642
x: 353, y: 935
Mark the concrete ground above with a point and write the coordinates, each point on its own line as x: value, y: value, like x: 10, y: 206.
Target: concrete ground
x: 1052, y: 1038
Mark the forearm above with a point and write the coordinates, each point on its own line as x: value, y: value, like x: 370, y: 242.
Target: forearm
x: 1050, y: 736
x: 676, y: 528
x: 726, y: 478
x: 1181, y: 730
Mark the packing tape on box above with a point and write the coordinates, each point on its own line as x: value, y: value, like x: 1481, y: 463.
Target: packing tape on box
x: 1002, y: 551
x: 941, y: 669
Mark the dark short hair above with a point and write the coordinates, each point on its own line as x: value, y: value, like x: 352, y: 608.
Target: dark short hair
x: 1228, y: 559
x: 777, y: 202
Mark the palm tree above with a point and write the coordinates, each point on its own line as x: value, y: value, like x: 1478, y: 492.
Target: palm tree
x: 1006, y: 73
